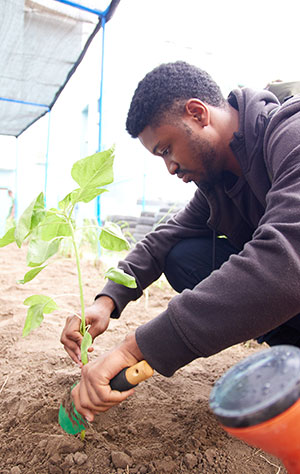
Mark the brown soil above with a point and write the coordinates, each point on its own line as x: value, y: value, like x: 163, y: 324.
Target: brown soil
x: 166, y: 427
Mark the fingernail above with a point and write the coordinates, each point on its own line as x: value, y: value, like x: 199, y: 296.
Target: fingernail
x: 88, y: 418
x: 79, y: 357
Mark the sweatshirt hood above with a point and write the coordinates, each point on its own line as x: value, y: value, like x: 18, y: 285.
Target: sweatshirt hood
x: 254, y: 108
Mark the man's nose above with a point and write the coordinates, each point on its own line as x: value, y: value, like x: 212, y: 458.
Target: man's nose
x: 172, y: 166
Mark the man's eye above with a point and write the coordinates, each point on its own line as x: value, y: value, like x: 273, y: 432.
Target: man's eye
x: 165, y: 152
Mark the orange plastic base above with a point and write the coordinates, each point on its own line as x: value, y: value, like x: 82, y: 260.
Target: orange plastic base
x: 279, y: 436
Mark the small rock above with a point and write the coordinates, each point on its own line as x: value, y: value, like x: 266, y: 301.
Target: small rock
x: 15, y: 470
x: 34, y: 460
x: 202, y: 433
x: 63, y: 445
x: 80, y: 458
x: 111, y: 432
x: 210, y: 455
x: 42, y: 444
x: 132, y: 430
x: 143, y: 470
x: 190, y: 460
x: 55, y: 459
x: 23, y: 405
x: 54, y: 469
x: 120, y: 459
x: 141, y: 454
x: 69, y: 460
x: 165, y: 466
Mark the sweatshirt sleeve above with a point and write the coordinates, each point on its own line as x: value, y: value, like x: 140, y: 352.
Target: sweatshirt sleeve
x: 255, y: 290
x: 146, y: 260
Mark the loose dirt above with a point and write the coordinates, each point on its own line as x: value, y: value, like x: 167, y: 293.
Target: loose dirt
x: 165, y: 427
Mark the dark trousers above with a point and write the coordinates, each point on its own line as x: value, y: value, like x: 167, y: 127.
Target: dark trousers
x: 192, y: 260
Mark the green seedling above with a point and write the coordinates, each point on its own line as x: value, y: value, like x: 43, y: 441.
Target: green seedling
x: 44, y: 231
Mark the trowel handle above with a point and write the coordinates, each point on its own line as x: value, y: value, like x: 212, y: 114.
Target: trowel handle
x: 131, y: 376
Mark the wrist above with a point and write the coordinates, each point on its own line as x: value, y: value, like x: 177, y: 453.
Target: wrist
x: 105, y: 301
x: 131, y: 347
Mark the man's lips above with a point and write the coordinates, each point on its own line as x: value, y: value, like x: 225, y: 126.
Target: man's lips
x: 184, y: 176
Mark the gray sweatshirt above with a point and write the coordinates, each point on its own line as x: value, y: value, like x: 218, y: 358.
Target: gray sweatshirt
x: 257, y: 289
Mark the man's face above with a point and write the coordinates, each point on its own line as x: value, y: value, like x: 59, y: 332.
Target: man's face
x: 187, y: 150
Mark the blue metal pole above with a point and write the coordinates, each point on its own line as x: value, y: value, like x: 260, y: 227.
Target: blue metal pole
x: 98, y: 203
x: 24, y: 102
x: 101, y: 87
x: 81, y: 7
x: 47, y: 159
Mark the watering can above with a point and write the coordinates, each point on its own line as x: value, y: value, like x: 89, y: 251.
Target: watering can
x: 258, y: 401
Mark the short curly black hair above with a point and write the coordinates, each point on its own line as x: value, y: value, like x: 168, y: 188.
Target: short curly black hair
x: 168, y: 85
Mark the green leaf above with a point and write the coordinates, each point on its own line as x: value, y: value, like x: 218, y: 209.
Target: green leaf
x: 38, y: 211
x: 8, y: 237
x: 31, y: 275
x: 111, y: 238
x: 85, y: 194
x: 65, y: 202
x: 53, y: 226
x: 30, y: 218
x: 94, y: 171
x: 38, y: 306
x: 119, y: 276
x: 47, y: 302
x: 86, y: 342
x: 40, y: 250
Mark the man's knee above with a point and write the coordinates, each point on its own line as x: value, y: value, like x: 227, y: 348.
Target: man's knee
x: 192, y: 260
x: 188, y: 263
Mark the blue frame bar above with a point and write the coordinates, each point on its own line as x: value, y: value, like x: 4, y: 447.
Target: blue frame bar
x: 98, y: 199
x: 82, y: 7
x: 101, y: 87
x: 25, y: 103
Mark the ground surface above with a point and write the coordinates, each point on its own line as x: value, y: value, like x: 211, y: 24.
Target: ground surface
x: 166, y: 427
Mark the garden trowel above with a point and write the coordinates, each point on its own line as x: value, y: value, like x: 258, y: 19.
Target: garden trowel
x: 72, y: 422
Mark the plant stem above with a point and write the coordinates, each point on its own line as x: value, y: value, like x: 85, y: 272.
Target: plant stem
x: 82, y: 326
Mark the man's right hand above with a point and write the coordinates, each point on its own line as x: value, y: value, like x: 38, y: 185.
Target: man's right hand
x: 97, y: 316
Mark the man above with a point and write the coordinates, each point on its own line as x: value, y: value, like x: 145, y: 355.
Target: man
x: 244, y: 156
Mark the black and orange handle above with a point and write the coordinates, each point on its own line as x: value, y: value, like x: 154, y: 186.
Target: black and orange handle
x: 131, y: 376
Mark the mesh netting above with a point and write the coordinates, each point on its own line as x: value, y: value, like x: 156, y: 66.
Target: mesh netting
x: 41, y: 43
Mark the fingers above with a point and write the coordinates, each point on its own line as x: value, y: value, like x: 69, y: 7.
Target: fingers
x: 71, y: 338
x: 90, y: 401
x: 97, y: 317
x: 98, y: 322
x: 93, y: 394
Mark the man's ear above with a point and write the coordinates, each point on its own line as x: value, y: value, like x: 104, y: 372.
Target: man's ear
x: 198, y: 110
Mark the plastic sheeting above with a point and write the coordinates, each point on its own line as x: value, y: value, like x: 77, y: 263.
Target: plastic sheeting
x: 41, y: 44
